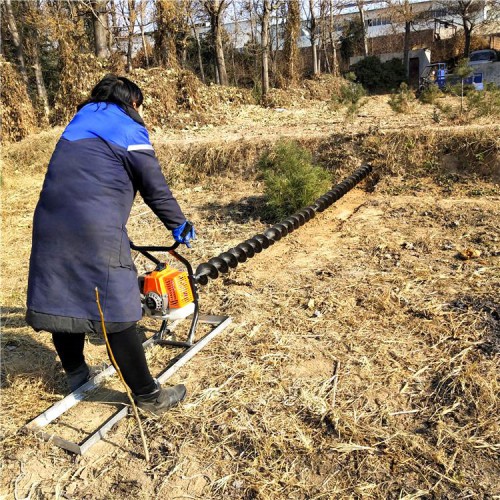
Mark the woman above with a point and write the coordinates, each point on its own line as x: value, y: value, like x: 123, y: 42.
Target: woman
x: 80, y: 241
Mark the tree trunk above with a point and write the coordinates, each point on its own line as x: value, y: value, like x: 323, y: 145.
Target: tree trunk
x: 315, y: 59
x: 215, y: 10
x: 111, y: 27
x: 313, y: 37
x: 462, y: 98
x: 31, y: 19
x: 323, y: 37
x: 40, y: 84
x: 292, y: 31
x: 99, y: 21
x: 165, y: 50
x: 216, y: 21
x: 253, y: 39
x: 219, y: 54
x: 467, y: 34
x: 16, y: 40
x: 131, y: 26
x: 253, y: 29
x: 327, y: 61
x: 266, y: 14
x: 233, y: 65
x: 274, y: 48
x: 143, y: 37
x: 406, y: 50
x: 332, y: 42
x: 198, y: 48
x: 363, y: 27
x: 216, y: 71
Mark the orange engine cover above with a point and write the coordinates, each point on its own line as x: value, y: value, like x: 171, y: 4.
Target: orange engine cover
x: 171, y: 283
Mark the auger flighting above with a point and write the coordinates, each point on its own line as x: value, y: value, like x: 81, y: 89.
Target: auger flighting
x: 246, y: 250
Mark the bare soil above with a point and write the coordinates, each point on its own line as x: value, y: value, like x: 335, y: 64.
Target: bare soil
x: 362, y: 362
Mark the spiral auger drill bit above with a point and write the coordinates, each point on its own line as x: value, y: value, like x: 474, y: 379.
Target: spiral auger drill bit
x: 246, y: 250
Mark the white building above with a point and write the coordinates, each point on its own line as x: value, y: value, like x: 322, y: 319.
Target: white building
x: 380, y: 20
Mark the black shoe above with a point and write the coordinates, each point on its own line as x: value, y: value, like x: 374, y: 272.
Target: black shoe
x: 78, y: 377
x: 161, y: 399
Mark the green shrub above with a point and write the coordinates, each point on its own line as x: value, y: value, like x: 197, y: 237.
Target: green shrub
x: 291, y: 180
x: 351, y: 76
x: 430, y: 94
x: 485, y: 102
x: 451, y: 113
x: 369, y: 72
x: 491, y: 86
x: 394, y: 73
x: 401, y: 101
x: 455, y: 89
x: 349, y: 93
x: 444, y: 108
x: 375, y: 75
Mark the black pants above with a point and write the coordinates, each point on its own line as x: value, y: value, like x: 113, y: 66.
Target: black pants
x: 127, y: 350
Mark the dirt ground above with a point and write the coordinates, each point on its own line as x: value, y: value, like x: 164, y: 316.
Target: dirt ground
x: 362, y: 361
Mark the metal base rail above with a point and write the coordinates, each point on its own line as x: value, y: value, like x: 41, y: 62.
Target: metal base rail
x: 219, y: 323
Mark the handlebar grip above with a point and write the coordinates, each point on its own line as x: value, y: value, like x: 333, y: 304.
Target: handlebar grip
x: 187, y: 229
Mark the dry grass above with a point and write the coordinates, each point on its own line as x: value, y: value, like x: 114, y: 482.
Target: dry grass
x: 18, y: 115
x: 317, y: 89
x: 447, y: 154
x: 363, y: 361
x: 173, y: 98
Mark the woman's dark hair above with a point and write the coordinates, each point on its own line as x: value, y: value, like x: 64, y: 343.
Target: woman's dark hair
x: 118, y: 90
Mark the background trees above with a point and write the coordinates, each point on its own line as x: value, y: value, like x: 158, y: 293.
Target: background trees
x: 469, y: 14
x: 215, y: 11
x: 403, y: 13
x: 54, y: 45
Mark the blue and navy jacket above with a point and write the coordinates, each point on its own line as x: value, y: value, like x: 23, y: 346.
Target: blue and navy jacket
x: 80, y: 239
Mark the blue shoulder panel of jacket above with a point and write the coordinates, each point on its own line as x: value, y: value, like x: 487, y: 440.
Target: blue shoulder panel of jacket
x: 109, y: 122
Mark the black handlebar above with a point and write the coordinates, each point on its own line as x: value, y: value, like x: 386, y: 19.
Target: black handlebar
x: 144, y: 250
x: 150, y: 248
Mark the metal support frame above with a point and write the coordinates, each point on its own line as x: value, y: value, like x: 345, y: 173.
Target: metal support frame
x: 219, y: 323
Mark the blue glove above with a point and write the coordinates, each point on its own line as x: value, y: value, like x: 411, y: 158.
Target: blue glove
x: 184, y: 233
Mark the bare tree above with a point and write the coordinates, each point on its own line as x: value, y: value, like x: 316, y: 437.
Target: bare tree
x: 215, y: 10
x: 251, y: 7
x: 235, y: 39
x: 25, y: 34
x: 164, y: 36
x: 142, y: 23
x: 16, y: 39
x: 313, y: 35
x: 192, y: 14
x: 323, y: 36
x: 182, y: 30
x: 401, y: 12
x: 292, y: 32
x: 470, y: 13
x: 266, y: 16
x: 268, y: 7
x: 360, y: 4
x: 99, y: 21
x: 33, y: 17
x: 112, y: 27
x: 276, y: 40
x: 40, y: 84
x: 331, y: 29
x: 132, y: 16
